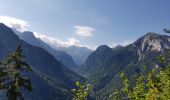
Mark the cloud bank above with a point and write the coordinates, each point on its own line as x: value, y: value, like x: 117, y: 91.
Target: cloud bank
x: 22, y: 26
x: 84, y: 31
x: 18, y: 24
x: 54, y: 42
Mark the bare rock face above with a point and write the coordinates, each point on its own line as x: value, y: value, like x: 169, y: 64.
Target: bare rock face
x: 152, y: 42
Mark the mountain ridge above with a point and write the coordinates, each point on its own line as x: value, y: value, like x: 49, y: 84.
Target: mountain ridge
x: 59, y: 55
x: 42, y: 61
x: 128, y: 59
x: 79, y: 54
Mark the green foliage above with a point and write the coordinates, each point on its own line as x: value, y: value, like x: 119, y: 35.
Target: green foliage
x: 116, y: 95
x: 82, y: 92
x: 11, y: 78
x: 161, y: 59
x: 151, y: 85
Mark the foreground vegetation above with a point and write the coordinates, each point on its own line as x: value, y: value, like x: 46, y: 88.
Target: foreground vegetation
x: 150, y: 85
x: 82, y: 92
x: 11, y: 79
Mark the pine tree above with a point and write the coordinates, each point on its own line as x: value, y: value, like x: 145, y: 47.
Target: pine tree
x: 11, y: 78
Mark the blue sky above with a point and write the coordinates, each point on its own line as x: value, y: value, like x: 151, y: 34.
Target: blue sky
x: 91, y: 22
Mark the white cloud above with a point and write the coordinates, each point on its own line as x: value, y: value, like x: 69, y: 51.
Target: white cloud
x: 54, y: 42
x: 123, y: 43
x: 18, y: 24
x: 84, y: 31
x: 72, y: 41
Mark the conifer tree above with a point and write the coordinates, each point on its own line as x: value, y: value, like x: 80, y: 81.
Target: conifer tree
x: 11, y: 75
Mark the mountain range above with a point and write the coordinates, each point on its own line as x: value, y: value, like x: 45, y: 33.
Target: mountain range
x: 63, y: 57
x: 50, y: 78
x: 103, y: 66
x: 79, y: 54
x: 53, y: 75
x: 70, y: 56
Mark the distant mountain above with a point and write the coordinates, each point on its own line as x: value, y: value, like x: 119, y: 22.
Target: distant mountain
x: 79, y: 54
x: 29, y: 37
x: 103, y: 66
x: 51, y: 80
x: 16, y: 31
x: 59, y: 55
x: 96, y: 59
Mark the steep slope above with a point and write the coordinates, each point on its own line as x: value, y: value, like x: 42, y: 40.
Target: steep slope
x: 97, y: 59
x: 63, y: 57
x: 29, y: 38
x: 129, y: 59
x: 51, y: 80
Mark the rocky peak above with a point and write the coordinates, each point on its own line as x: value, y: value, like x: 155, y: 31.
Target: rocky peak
x: 28, y: 34
x: 30, y: 38
x: 151, y: 34
x: 152, y: 42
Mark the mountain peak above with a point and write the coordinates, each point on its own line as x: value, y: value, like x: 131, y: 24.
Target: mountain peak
x: 152, y: 42
x: 152, y: 35
x: 6, y: 33
x: 29, y: 38
x: 28, y: 34
x: 103, y: 47
x: 2, y: 24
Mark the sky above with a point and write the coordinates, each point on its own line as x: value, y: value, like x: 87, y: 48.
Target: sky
x: 87, y: 22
